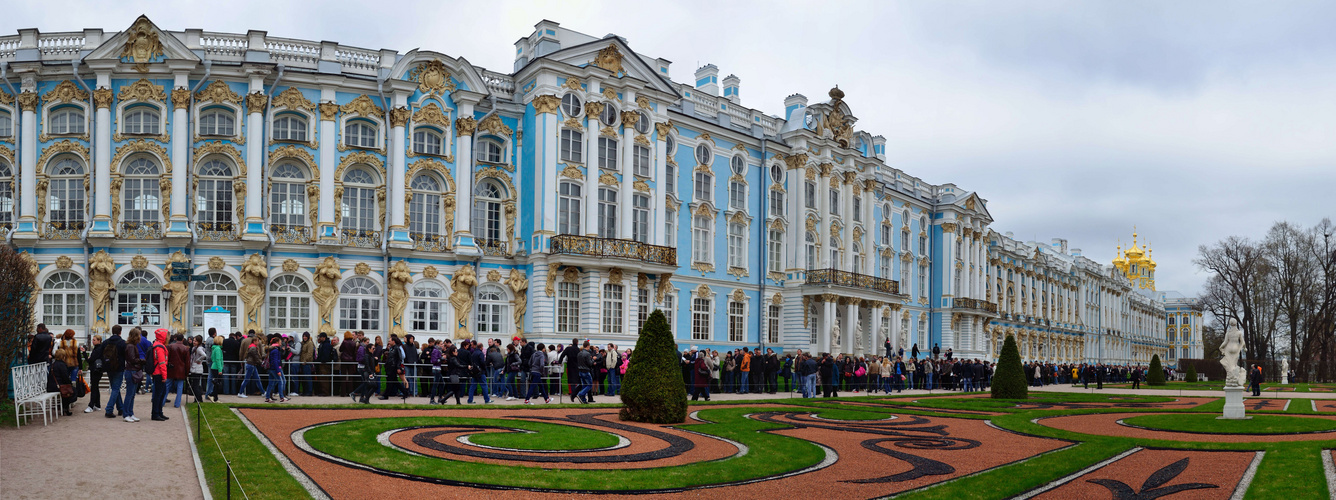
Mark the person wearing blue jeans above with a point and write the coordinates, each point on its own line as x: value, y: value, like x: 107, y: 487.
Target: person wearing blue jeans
x: 275, y: 375
x: 176, y: 386
x: 114, y: 400
x: 477, y: 384
x: 586, y: 385
x: 128, y: 405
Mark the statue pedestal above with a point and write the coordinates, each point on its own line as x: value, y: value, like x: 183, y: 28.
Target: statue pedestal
x: 1234, y: 404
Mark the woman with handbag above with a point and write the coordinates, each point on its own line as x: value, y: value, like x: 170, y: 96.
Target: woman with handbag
x: 134, y: 374
x: 199, y: 358
x: 58, y: 380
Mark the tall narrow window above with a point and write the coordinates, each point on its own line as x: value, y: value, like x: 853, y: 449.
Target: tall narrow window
x: 613, y: 303
x: 642, y: 309
x: 737, y: 195
x: 812, y: 328
x: 700, y: 239
x: 670, y: 229
x: 6, y: 125
x: 217, y: 122
x: 704, y: 186
x: 640, y: 218
x: 776, y: 203
x: 568, y: 307
x: 424, y: 210
x: 607, y: 153
x: 289, y: 302
x: 213, y: 197
x: 835, y: 201
x: 835, y: 253
x: 487, y: 198
x: 140, y: 192
x: 810, y: 198
x: 6, y: 195
x: 670, y: 309
x: 607, y: 213
x: 491, y: 310
x: 287, y: 196
x: 772, y: 335
x: 737, y: 247
x: 359, y: 202
x: 923, y: 281
x: 736, y: 325
x: 572, y: 146
x: 290, y: 127
x: 65, y: 194
x: 811, y: 250
x: 569, y: 201
x: 640, y: 159
x: 700, y: 319
x: 858, y: 258
x: 858, y: 208
x: 429, y: 306
x: 776, y: 251
x: 670, y: 179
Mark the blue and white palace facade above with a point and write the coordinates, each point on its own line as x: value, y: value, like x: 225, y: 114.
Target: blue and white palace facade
x: 314, y: 186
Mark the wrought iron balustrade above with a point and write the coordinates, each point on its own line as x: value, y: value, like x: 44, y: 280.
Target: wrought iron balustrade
x: 64, y: 230
x: 216, y: 231
x: 360, y: 238
x: 284, y: 233
x: 570, y: 244
x: 147, y: 230
x: 968, y: 303
x: 492, y: 247
x: 430, y: 242
x: 846, y: 278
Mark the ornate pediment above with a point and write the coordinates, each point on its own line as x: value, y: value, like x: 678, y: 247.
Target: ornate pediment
x: 609, y: 58
x: 431, y: 114
x: 142, y: 90
x: 432, y: 77
x: 66, y: 91
x: 142, y: 44
x: 493, y: 125
x: 363, y: 106
x: 219, y: 92
x: 293, y: 99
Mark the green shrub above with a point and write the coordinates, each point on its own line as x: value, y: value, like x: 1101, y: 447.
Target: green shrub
x: 1009, y: 378
x: 1155, y: 375
x: 652, y: 390
x: 1191, y: 375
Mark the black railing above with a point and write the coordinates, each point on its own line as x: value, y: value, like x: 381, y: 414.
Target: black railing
x: 571, y: 244
x: 967, y: 303
x: 360, y: 238
x: 147, y: 230
x: 430, y: 242
x: 284, y: 233
x: 846, y: 278
x: 492, y: 247
x: 64, y: 230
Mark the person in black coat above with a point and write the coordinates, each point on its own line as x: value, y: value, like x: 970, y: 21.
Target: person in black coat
x: 936, y: 351
x: 889, y: 354
x: 828, y: 370
x: 1256, y: 375
x: 58, y: 375
x: 231, y: 364
x: 913, y: 351
x: 39, y: 346
x: 571, y: 355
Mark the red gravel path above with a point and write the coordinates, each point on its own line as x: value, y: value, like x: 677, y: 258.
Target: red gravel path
x: 1106, y: 424
x: 1223, y: 469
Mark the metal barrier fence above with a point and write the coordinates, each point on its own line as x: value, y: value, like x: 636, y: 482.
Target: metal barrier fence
x: 341, y: 378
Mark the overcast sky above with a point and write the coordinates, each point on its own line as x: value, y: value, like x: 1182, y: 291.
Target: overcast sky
x: 1079, y: 120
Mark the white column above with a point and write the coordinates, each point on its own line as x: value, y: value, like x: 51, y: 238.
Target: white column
x: 180, y: 152
x: 660, y: 193
x: 329, y: 115
x: 823, y: 204
x: 849, y: 329
x: 875, y: 319
x: 255, y: 104
x: 591, y: 165
x: 625, y: 209
x: 464, y: 127
x: 397, y: 230
x: 102, y: 159
x: 28, y: 165
x: 827, y: 320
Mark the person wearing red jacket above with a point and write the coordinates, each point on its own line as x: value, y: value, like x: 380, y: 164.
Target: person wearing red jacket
x: 158, y: 361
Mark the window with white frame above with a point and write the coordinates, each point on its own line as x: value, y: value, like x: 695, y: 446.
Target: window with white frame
x: 812, y: 324
x: 613, y: 305
x: 6, y: 125
x: 701, y: 317
x: 772, y: 335
x: 670, y: 309
x: 428, y: 141
x: 703, y: 155
x: 642, y: 123
x: 835, y: 201
x: 568, y: 307
x: 923, y: 281
x: 858, y: 208
x: 491, y: 310
x: 834, y: 253
x: 811, y: 250
x: 738, y: 165
x: 777, y: 173
x: 904, y: 327
x: 487, y: 198
x: 359, y: 201
x: 65, y: 193
x: 571, y: 105
x: 359, y: 304
x: 776, y: 203
x: 213, y: 196
x: 428, y: 310
x: 858, y: 258
x: 217, y: 290
x: 886, y: 234
x: 640, y: 160
x: 66, y: 120
x: 290, y: 127
x: 810, y: 198
x: 701, y: 229
x: 359, y: 134
x: 670, y: 229
x: 424, y: 209
x: 885, y: 271
x: 140, y: 199
x: 607, y: 153
x: 289, y: 303
x: 923, y: 331
x: 609, y: 115
x: 670, y: 179
x: 142, y: 120
x: 63, y: 301
x: 704, y: 186
x: 139, y: 293
x: 776, y: 250
x: 736, y: 321
x: 491, y: 151
x: 923, y: 238
x: 287, y: 195
x: 737, y: 246
x: 607, y: 213
x: 217, y: 121
x: 569, y: 201
x: 904, y: 241
x: 640, y: 218
x: 572, y: 146
x: 6, y: 195
x: 737, y: 195
x: 642, y: 309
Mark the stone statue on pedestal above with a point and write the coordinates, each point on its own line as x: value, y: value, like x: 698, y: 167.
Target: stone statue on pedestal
x: 1285, y: 371
x: 1230, y: 349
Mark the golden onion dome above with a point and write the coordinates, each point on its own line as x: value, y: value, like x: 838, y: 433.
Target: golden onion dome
x: 1118, y: 259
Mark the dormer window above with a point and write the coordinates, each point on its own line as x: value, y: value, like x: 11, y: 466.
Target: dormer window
x: 359, y: 134
x: 142, y: 120
x: 217, y: 122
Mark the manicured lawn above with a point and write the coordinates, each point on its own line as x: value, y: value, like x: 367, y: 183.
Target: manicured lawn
x: 254, y: 469
x: 1208, y: 423
x: 540, y: 436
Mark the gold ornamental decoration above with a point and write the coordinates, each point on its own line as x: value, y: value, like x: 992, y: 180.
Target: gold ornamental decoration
x: 572, y: 83
x: 219, y: 92
x: 215, y: 263
x: 102, y: 98
x: 399, y: 116
x: 255, y: 102
x: 663, y: 287
x: 100, y: 267
x: 492, y: 124
x: 465, y: 125
x: 28, y: 101
x: 138, y: 262
x: 663, y: 129
x: 290, y: 265
x: 493, y: 275
x: 546, y: 104
x: 180, y: 98
x: 609, y: 58
x: 142, y: 90
x: 64, y: 262
x: 641, y: 185
x: 431, y: 114
x: 362, y: 269
x: 432, y: 77
x: 142, y: 45
x: 325, y: 293
x: 642, y: 102
x: 430, y: 272
x: 462, y: 298
x: 572, y: 171
x: 629, y: 118
x: 363, y: 106
x: 253, y: 274
x: 610, y: 94
x: 607, y: 178
x: 66, y: 91
x: 329, y: 111
x: 6, y: 98
x: 291, y: 98
x: 552, y: 279
x: 398, y: 279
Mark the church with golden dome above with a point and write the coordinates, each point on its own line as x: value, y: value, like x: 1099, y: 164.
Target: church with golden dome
x: 1183, y: 314
x: 1137, y: 264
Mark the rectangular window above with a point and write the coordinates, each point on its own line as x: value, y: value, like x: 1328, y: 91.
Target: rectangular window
x: 572, y: 146
x: 568, y: 208
x: 607, y: 153
x: 810, y: 199
x: 858, y: 208
x: 704, y: 186
x: 886, y: 234
x: 885, y: 267
x: 700, y: 239
x: 612, y: 309
x: 737, y: 249
x: 904, y: 241
x: 670, y: 310
x: 776, y: 251
x: 737, y: 195
x: 607, y: 213
x: 670, y: 179
x: 426, y: 316
x: 773, y: 335
x: 640, y: 158
x: 640, y: 218
x: 289, y: 312
x: 358, y: 314
x: 700, y: 319
x: 66, y: 309
x: 642, y: 308
x: 776, y: 203
x: 923, y: 281
x: 835, y: 201
x: 812, y: 325
x: 736, y: 330
x: 670, y: 229
x: 568, y: 307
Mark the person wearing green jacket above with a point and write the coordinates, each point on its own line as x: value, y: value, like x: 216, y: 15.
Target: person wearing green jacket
x: 215, y: 365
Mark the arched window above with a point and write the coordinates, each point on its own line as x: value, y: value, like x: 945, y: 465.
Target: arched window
x: 571, y: 105
x: 139, y: 293
x: 359, y: 134
x: 359, y: 304
x: 213, y: 197
x: 490, y: 151
x: 6, y: 195
x: 289, y: 302
x: 569, y: 200
x: 359, y: 201
x: 6, y: 125
x: 491, y: 310
x: 287, y: 196
x: 143, y: 120
x: 66, y: 120
x: 65, y: 194
x: 63, y: 299
x: 487, y: 200
x: 607, y: 212
x: 290, y: 127
x: 834, y: 253
x: 572, y: 145
x: 609, y: 115
x: 428, y: 314
x: 427, y: 141
x: 217, y: 290
x: 703, y: 155
x: 140, y: 192
x: 424, y: 211
x: 607, y: 153
x: 811, y: 250
x: 858, y: 258
x: 217, y: 122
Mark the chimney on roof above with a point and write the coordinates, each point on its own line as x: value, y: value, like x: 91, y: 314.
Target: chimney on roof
x: 707, y: 79
x: 1060, y: 245
x: 731, y: 83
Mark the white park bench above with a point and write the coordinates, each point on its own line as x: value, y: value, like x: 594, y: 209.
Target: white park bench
x: 30, y: 396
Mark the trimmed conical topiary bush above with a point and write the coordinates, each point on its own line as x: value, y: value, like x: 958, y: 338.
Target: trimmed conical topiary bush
x: 1009, y: 378
x: 1155, y: 374
x: 1191, y: 375
x: 652, y: 390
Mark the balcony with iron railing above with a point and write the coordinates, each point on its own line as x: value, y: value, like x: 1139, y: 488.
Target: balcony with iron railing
x: 141, y: 230
x: 216, y: 231
x: 853, y: 280
x: 430, y: 242
x: 981, y: 305
x: 284, y: 233
x: 64, y: 230
x: 492, y: 247
x: 570, y: 244
x: 360, y: 238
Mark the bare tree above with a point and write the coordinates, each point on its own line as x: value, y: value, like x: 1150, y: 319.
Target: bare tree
x: 17, y: 283
x: 1240, y: 268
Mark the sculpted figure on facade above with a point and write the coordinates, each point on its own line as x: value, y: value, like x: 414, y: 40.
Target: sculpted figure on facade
x: 519, y: 287
x: 176, y: 306
x: 253, y: 274
x: 399, y: 278
x: 100, y: 267
x: 326, y: 295
x: 1230, y: 349
x: 462, y: 283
